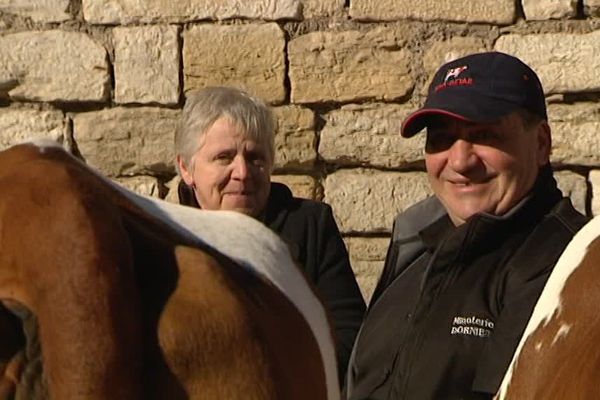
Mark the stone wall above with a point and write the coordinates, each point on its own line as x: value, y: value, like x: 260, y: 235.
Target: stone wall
x: 108, y: 78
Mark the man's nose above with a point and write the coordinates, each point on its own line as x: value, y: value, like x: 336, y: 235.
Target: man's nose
x: 240, y: 167
x: 461, y: 156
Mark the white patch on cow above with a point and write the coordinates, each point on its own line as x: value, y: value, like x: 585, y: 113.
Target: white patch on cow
x: 562, y: 331
x: 538, y: 346
x: 43, y: 143
x: 252, y: 245
x: 549, y: 303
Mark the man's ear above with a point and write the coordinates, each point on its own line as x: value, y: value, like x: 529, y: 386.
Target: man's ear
x: 544, y: 143
x: 186, y: 173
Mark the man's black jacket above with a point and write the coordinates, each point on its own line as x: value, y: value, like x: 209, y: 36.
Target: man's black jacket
x: 452, y: 302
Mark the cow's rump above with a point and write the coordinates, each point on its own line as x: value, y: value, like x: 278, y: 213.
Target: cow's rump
x: 137, y: 298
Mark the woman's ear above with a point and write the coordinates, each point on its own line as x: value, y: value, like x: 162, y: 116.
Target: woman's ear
x: 186, y: 174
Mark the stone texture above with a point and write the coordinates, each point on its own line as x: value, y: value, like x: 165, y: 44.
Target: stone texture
x: 500, y: 12
x: 38, y: 10
x: 574, y: 186
x: 18, y: 125
x: 367, y: 256
x: 369, y: 135
x: 127, y: 141
x: 301, y: 185
x: 254, y: 59
x: 368, y: 201
x: 575, y: 133
x: 350, y: 65
x: 171, y: 186
x: 595, y: 182
x: 441, y: 52
x: 53, y: 66
x: 134, y: 11
x: 144, y: 185
x: 539, y: 10
x: 146, y: 64
x: 295, y: 139
x: 321, y: 8
x: 564, y: 62
x: 591, y: 8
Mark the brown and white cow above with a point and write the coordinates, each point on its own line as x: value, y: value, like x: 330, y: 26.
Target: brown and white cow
x: 559, y: 354
x: 133, y: 297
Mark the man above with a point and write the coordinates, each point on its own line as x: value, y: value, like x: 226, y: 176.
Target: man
x: 465, y: 268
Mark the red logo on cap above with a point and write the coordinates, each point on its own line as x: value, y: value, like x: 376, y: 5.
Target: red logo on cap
x: 454, y: 72
x: 453, y: 78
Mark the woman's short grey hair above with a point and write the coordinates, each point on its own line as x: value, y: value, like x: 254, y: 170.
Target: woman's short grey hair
x: 203, y: 107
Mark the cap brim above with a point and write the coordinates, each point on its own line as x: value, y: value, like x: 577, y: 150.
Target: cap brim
x: 417, y: 121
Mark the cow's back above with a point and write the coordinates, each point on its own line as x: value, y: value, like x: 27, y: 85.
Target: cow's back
x: 558, y: 357
x: 211, y: 328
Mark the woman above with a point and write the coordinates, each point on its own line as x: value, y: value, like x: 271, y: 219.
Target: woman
x: 225, y: 150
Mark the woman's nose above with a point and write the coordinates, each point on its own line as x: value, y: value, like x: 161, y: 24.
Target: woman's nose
x: 240, y: 168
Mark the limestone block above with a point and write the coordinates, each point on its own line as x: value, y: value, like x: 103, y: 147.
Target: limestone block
x: 575, y: 133
x: 539, y: 10
x: 150, y: 11
x: 595, y: 182
x: 127, y: 141
x: 301, y: 185
x: 565, y: 62
x: 171, y: 196
x: 146, y: 64
x: 591, y: 8
x: 367, y: 256
x: 441, y: 52
x: 144, y: 185
x: 18, y: 125
x: 246, y: 56
x: 349, y: 65
x: 321, y: 8
x: 53, y: 66
x: 44, y: 11
x: 295, y: 139
x: 369, y: 135
x: 368, y: 201
x: 574, y: 186
x: 499, y: 12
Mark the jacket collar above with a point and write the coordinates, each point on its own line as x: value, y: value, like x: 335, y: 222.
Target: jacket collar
x: 484, y: 231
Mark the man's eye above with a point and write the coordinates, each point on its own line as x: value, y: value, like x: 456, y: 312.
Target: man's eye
x: 484, y: 137
x: 438, y: 141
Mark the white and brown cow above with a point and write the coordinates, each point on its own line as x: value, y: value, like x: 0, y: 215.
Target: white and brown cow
x: 559, y: 354
x: 136, y: 298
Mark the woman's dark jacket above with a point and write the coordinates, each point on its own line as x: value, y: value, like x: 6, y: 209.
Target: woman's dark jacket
x: 315, y: 242
x: 453, y: 302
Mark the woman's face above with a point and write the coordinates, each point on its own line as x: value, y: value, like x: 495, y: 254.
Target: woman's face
x: 229, y: 171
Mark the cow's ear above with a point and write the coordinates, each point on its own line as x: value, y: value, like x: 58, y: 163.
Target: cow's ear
x: 185, y: 172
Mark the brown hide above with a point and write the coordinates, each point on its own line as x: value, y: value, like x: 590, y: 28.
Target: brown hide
x: 127, y: 308
x: 568, y: 367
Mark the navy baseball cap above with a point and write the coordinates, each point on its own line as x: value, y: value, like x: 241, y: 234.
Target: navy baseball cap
x: 479, y: 88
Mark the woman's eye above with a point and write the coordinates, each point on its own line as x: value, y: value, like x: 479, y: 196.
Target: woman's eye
x: 256, y: 159
x: 224, y: 158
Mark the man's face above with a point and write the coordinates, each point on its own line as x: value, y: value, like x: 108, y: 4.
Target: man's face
x: 484, y: 167
x: 229, y: 171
